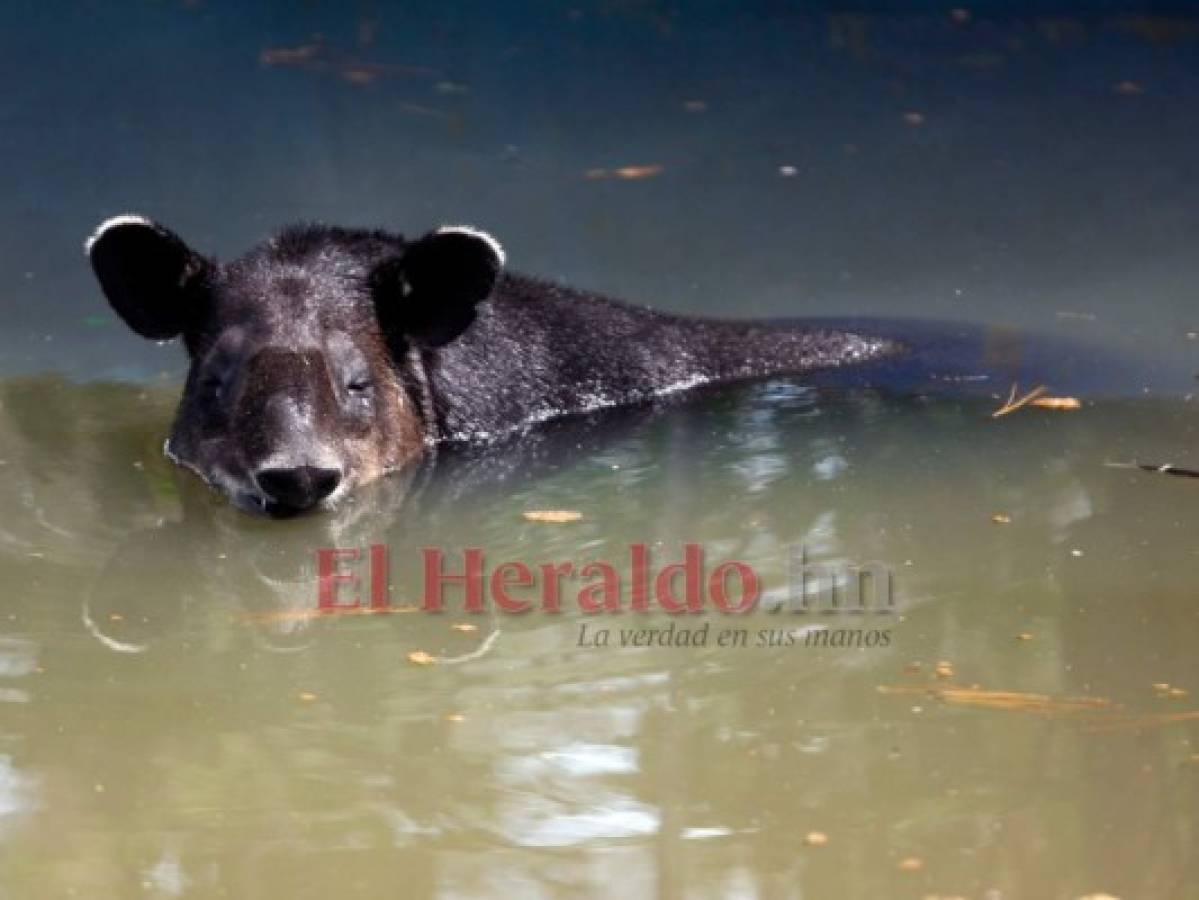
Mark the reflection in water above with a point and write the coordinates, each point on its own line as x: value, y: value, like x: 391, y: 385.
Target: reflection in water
x: 209, y: 760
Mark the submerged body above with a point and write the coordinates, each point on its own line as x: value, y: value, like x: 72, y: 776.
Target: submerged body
x: 326, y: 357
x: 538, y: 350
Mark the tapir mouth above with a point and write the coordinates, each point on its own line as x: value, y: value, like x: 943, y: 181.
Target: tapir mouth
x: 252, y: 502
x: 277, y: 510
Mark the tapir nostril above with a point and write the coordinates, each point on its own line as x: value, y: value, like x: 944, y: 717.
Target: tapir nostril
x: 298, y: 488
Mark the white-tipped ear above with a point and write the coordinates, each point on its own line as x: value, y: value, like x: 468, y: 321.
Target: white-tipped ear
x: 153, y: 280
x: 114, y: 222
x: 496, y: 247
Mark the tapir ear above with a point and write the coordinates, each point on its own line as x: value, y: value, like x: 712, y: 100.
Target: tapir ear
x: 430, y: 295
x: 152, y: 279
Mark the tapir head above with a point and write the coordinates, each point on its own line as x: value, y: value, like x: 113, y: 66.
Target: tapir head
x: 306, y: 377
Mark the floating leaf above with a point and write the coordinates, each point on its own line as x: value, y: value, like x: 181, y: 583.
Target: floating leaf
x: 1061, y: 403
x: 634, y: 173
x: 627, y: 173
x: 553, y: 516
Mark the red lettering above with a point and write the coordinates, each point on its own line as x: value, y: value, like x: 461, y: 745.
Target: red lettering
x: 328, y: 578
x: 750, y: 588
x: 436, y: 580
x: 603, y: 595
x: 500, y: 582
x: 379, y: 576
x: 689, y: 568
x: 551, y: 599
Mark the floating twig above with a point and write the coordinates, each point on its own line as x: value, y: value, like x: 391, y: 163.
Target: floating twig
x: 1156, y: 468
x: 421, y: 658
x: 1014, y: 700
x: 1012, y: 404
x: 1098, y: 713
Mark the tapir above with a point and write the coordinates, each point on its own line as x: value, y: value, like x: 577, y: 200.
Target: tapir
x: 327, y: 357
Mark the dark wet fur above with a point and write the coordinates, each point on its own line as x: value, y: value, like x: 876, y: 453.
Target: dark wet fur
x: 332, y: 356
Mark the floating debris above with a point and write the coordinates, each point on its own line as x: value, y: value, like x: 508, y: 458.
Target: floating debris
x: 959, y: 14
x: 943, y: 670
x: 321, y: 58
x: 1099, y: 713
x: 464, y: 626
x: 1024, y: 636
x: 1013, y: 700
x: 455, y: 717
x: 1156, y: 468
x: 1169, y: 691
x: 1057, y: 403
x: 1129, y: 88
x: 788, y: 171
x: 816, y: 839
x: 911, y: 864
x: 291, y: 56
x: 1001, y: 519
x: 552, y: 516
x: 307, y: 696
x: 1012, y: 404
x: 695, y: 106
x: 421, y: 658
x: 359, y: 74
x: 913, y: 119
x: 626, y: 173
x: 633, y: 173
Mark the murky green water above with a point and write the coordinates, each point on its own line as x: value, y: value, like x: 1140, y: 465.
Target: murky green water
x: 175, y: 721
x: 175, y: 724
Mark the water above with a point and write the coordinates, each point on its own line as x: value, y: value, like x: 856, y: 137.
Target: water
x: 176, y: 721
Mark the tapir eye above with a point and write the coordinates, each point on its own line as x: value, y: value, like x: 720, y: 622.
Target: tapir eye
x: 211, y: 387
x: 360, y: 384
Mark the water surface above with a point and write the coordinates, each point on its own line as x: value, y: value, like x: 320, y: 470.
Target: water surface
x: 174, y: 721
